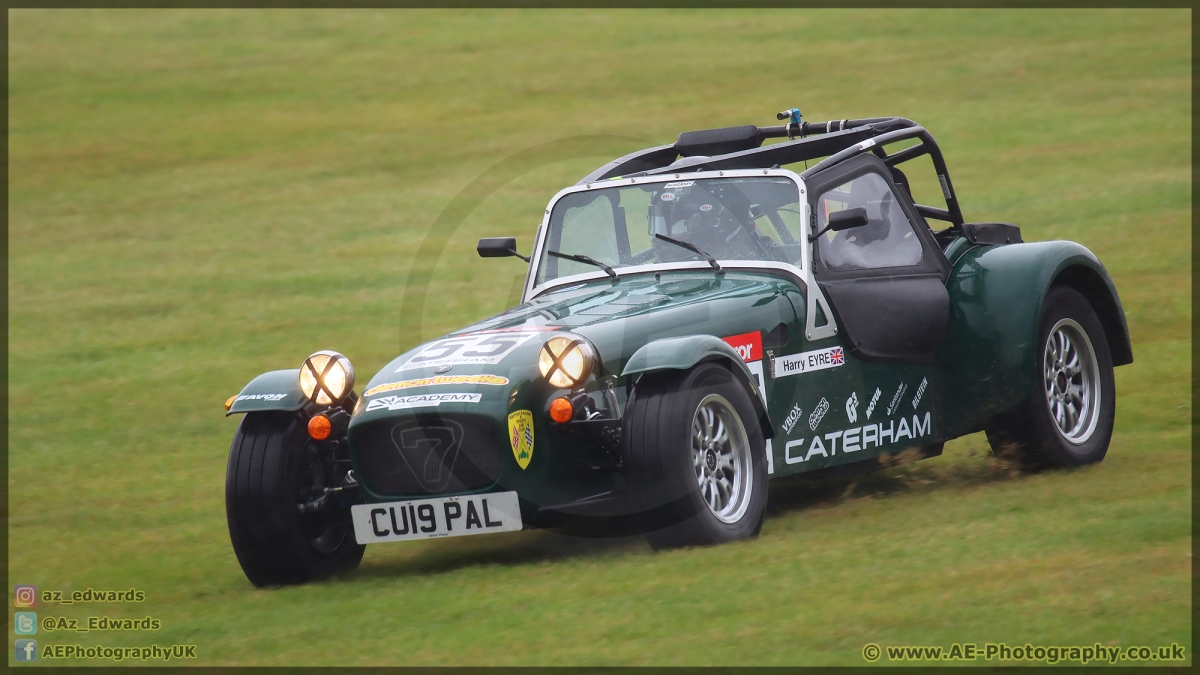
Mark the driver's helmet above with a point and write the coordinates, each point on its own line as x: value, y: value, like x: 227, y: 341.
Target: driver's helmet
x: 692, y: 214
x: 879, y: 214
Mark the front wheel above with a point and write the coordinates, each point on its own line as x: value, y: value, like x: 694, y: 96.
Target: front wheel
x: 697, y: 463
x: 1068, y: 418
x: 274, y: 469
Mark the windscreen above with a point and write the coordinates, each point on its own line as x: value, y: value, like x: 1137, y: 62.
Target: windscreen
x: 731, y: 219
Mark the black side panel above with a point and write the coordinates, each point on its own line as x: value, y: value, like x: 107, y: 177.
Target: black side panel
x: 718, y: 141
x: 992, y: 233
x: 898, y: 318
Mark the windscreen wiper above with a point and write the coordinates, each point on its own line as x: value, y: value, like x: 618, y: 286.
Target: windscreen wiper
x: 586, y: 260
x: 711, y: 260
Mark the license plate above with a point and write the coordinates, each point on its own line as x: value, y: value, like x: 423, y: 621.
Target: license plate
x: 433, y: 518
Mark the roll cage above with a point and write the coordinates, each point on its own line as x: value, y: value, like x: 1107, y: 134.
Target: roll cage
x: 734, y: 151
x: 733, y: 148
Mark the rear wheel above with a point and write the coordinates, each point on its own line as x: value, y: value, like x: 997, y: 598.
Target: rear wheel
x: 274, y: 469
x: 696, y: 466
x: 1068, y: 418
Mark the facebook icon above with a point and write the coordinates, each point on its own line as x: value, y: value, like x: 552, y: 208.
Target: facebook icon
x: 26, y: 650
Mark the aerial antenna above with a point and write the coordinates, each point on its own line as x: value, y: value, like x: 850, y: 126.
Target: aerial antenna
x: 793, y: 117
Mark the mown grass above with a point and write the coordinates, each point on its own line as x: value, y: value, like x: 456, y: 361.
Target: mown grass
x: 199, y: 196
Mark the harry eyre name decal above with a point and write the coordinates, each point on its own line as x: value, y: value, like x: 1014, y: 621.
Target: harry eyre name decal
x: 806, y: 362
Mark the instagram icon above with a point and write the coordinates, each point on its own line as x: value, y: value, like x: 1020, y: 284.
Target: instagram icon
x: 25, y: 596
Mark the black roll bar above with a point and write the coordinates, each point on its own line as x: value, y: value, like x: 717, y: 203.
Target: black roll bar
x: 835, y: 140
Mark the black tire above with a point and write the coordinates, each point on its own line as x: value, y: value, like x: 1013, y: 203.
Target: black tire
x: 663, y: 479
x: 271, y: 463
x: 1032, y: 434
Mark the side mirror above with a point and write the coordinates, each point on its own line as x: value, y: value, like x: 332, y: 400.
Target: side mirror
x: 499, y: 247
x: 843, y: 220
x: 848, y: 219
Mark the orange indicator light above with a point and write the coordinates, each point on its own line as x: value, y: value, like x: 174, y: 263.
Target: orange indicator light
x: 319, y: 427
x: 561, y: 410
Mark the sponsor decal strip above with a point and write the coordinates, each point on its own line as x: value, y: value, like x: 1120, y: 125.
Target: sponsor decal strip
x: 261, y: 397
x: 793, y: 417
x: 806, y: 362
x: 874, y: 400
x: 436, y: 380
x: 920, y: 390
x: 858, y: 438
x: 420, y: 401
x: 747, y: 345
x: 896, y: 399
x: 818, y: 414
x: 852, y: 407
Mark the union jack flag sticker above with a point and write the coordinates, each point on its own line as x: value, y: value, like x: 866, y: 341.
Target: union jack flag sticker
x: 837, y: 356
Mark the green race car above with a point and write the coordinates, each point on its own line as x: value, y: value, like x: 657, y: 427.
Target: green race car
x: 697, y: 319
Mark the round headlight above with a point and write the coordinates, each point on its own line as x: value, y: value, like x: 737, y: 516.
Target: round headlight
x: 566, y: 362
x: 326, y: 377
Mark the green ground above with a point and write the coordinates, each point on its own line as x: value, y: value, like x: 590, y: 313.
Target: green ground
x: 199, y: 196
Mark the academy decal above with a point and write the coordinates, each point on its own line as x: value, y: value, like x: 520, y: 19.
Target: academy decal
x: 920, y: 390
x: 480, y: 349
x: 261, y: 397
x: 852, y: 407
x: 494, y: 380
x: 899, y: 396
x: 859, y: 438
x: 874, y: 400
x: 818, y: 414
x: 679, y: 185
x: 806, y: 362
x: 420, y: 401
x: 793, y: 417
x: 520, y: 435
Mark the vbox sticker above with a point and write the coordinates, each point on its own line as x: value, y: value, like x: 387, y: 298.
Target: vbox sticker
x: 793, y: 417
x: 806, y: 362
x: 467, y: 349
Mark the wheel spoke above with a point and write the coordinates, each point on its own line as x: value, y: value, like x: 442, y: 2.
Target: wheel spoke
x: 721, y: 437
x: 708, y: 425
x: 723, y: 492
x: 725, y: 462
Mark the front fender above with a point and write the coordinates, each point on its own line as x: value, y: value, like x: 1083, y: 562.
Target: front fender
x: 682, y: 353
x: 276, y: 390
x: 986, y: 363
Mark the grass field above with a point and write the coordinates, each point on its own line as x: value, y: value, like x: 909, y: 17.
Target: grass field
x: 196, y: 197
